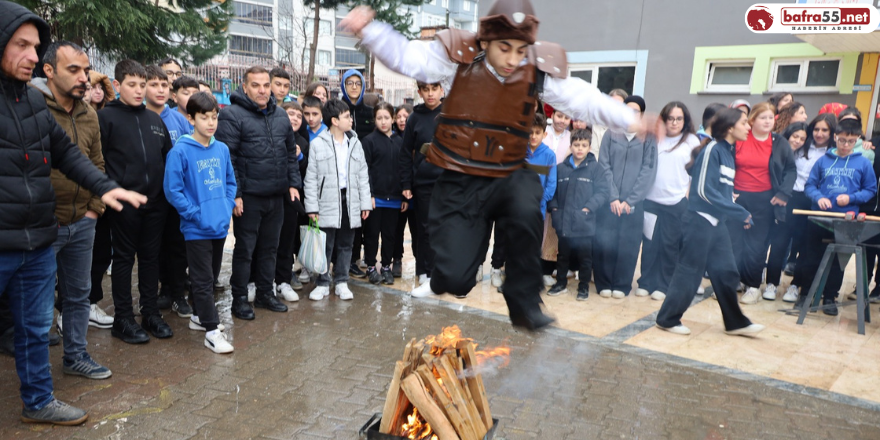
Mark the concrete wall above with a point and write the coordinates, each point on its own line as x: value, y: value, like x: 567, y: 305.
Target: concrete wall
x: 669, y: 32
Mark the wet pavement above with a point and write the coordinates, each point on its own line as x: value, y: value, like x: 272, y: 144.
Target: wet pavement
x: 321, y: 371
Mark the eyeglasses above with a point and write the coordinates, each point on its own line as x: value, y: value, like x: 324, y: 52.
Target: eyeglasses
x: 354, y: 84
x: 678, y: 119
x: 174, y: 73
x: 846, y: 142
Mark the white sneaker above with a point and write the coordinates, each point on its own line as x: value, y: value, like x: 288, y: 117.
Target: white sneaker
x: 343, y: 293
x: 741, y: 287
x: 216, y: 341
x: 605, y: 293
x: 497, y: 278
x: 751, y: 296
x: 58, y: 324
x: 791, y: 294
x: 196, y: 324
x: 750, y: 330
x: 701, y: 290
x: 616, y: 294
x: 480, y: 274
x: 304, y: 276
x: 287, y: 293
x: 770, y: 293
x: 319, y: 292
x: 98, y: 318
x: 423, y: 279
x: 658, y: 295
x: 423, y: 291
x: 361, y: 264
x: 110, y: 269
x: 549, y: 280
x: 297, y: 266
x: 678, y: 330
x: 642, y: 292
x: 252, y: 292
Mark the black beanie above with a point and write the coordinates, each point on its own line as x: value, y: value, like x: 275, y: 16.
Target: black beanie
x: 636, y: 99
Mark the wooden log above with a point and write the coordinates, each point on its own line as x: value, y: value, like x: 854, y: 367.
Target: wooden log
x: 472, y: 407
x: 407, y: 351
x: 475, y: 384
x: 392, y: 400
x: 443, y: 400
x: 415, y: 391
x: 450, y: 380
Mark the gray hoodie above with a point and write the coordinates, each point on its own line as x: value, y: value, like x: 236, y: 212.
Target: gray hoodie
x: 630, y: 166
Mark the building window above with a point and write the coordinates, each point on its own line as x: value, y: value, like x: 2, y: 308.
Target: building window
x: 250, y: 46
x: 466, y: 5
x: 350, y: 57
x: 325, y: 58
x: 729, y: 76
x: 253, y: 14
x: 325, y: 27
x: 445, y: 3
x: 606, y: 77
x: 816, y: 74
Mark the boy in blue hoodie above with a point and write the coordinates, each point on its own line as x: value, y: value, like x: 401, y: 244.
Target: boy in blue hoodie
x: 200, y: 184
x: 839, y: 182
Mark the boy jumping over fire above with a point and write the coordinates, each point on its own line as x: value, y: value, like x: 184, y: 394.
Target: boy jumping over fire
x: 494, y: 79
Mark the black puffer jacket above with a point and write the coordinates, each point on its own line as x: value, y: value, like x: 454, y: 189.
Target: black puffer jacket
x: 31, y: 144
x: 415, y: 170
x: 262, y: 146
x: 382, y: 153
x: 576, y: 189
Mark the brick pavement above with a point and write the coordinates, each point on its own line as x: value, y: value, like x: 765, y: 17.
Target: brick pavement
x: 321, y: 370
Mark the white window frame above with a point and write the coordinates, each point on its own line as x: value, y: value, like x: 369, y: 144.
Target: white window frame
x: 801, y: 85
x: 737, y: 88
x: 466, y: 5
x: 594, y: 67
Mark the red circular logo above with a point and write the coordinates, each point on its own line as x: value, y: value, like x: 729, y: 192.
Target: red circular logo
x: 759, y: 18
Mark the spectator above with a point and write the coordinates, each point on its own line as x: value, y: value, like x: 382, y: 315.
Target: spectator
x: 765, y: 176
x: 353, y: 94
x: 666, y: 202
x: 793, y: 112
x: 173, y: 70
x: 630, y: 165
x: 263, y: 149
x: 205, y: 87
x: 317, y: 90
x: 32, y: 146
x: 337, y: 162
x: 200, y: 184
x: 77, y: 210
x: 181, y: 89
x: 708, y: 113
x: 780, y: 100
x: 382, y: 153
x: 314, y: 119
x: 280, y: 85
x: 741, y: 105
x: 102, y: 90
x: 863, y: 146
x: 581, y: 191
x: 172, y: 254
x: 135, y: 143
x: 409, y: 216
x: 599, y: 129
x: 558, y: 136
x: 400, y: 116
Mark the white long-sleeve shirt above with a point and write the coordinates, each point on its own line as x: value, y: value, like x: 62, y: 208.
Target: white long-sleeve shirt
x: 804, y: 165
x: 427, y: 61
x: 672, y: 181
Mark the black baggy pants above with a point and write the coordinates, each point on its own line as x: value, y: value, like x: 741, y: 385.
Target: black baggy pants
x: 408, y: 216
x: 381, y: 222
x: 201, y: 255
x: 256, y: 238
x: 463, y: 208
x: 811, y: 256
x: 575, y: 248
x: 172, y: 257
x: 660, y: 253
x: 137, y: 232
x: 750, y: 245
x: 425, y: 256
x: 786, y: 238
x: 288, y: 244
x: 616, y: 250
x: 102, y: 254
x: 705, y: 248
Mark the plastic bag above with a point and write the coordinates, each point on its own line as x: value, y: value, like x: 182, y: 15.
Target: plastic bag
x: 313, y: 251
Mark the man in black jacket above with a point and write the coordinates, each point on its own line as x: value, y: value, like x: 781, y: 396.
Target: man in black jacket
x: 263, y: 149
x: 32, y: 143
x: 417, y: 176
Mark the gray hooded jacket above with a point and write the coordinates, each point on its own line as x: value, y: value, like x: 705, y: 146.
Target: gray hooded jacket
x: 630, y: 166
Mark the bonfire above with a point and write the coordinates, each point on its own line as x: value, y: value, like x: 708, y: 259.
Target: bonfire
x: 437, y: 391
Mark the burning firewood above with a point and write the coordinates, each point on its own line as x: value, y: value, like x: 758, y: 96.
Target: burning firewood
x: 437, y: 391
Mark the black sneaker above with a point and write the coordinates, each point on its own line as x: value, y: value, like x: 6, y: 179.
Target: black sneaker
x: 374, y: 275
x: 533, y: 319
x: 356, y: 272
x: 388, y: 276
x: 163, y: 301
x: 218, y: 285
x: 129, y: 331
x: 241, y: 309
x: 556, y: 290
x: 269, y: 302
x: 583, y: 294
x: 829, y: 307
x: 7, y: 342
x: 397, y: 269
x: 157, y: 326
x: 54, y: 339
x: 789, y: 269
x: 182, y: 307
x: 56, y: 413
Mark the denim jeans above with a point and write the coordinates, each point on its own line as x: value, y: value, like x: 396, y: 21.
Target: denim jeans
x: 73, y: 254
x: 27, y: 278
